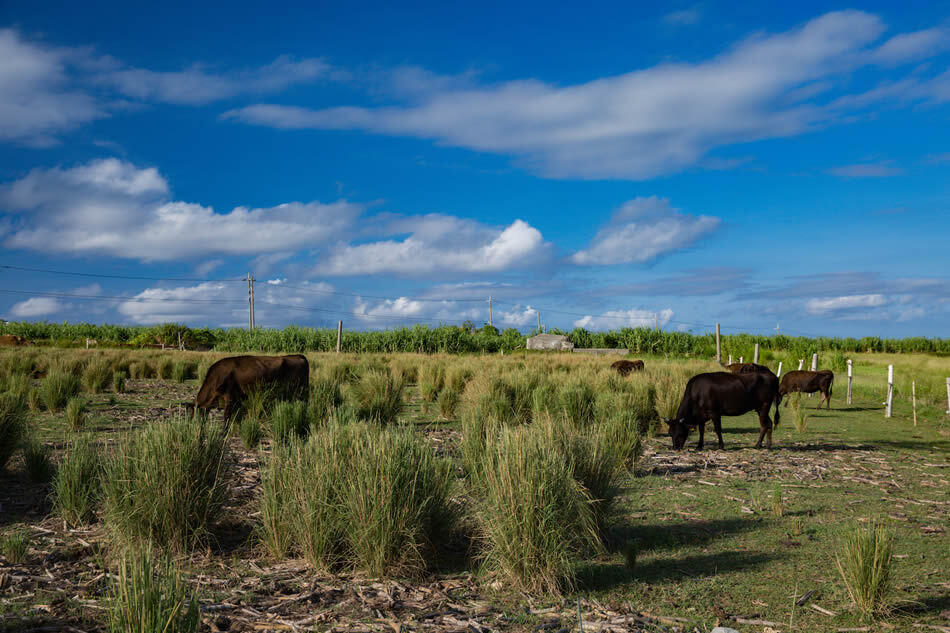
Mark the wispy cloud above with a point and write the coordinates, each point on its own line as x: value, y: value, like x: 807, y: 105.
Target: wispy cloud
x: 36, y: 307
x: 616, y: 319
x: 684, y: 17
x: 866, y: 170
x: 643, y: 229
x: 845, y: 303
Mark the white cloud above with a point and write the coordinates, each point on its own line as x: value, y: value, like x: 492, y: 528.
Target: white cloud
x: 643, y: 229
x: 616, y: 319
x: 111, y: 207
x: 643, y: 123
x: 402, y: 306
x: 845, y: 303
x: 37, y: 99
x: 910, y: 314
x: 37, y: 306
x: 685, y: 17
x: 205, y: 268
x: 440, y: 244
x: 518, y: 317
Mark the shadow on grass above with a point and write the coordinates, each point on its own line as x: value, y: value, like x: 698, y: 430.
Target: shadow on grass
x: 673, y: 535
x: 662, y: 571
x: 22, y: 500
x: 929, y: 605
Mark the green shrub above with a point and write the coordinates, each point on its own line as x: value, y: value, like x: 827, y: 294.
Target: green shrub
x: 12, y: 425
x: 167, y: 484
x: 118, y: 382
x: 57, y: 388
x: 864, y: 562
x: 535, y: 520
x: 38, y: 459
x: 77, y: 483
x: 251, y: 432
x: 377, y: 397
x: 431, y: 381
x: 76, y: 413
x: 14, y: 547
x: 149, y: 597
x: 97, y: 375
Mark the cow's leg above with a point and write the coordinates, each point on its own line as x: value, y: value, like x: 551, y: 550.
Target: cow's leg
x: 717, y: 424
x: 702, y: 431
x: 821, y: 399
x: 765, y: 427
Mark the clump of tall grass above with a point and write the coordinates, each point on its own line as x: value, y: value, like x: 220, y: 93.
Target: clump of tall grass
x: 625, y: 425
x: 457, y: 376
x: 164, y: 368
x: 377, y: 397
x: 14, y: 546
x: 97, y: 375
x: 12, y: 425
x: 799, y: 416
x: 535, y: 520
x: 431, y: 381
x: 167, y: 484
x: 18, y: 384
x: 251, y: 432
x: 57, y: 388
x: 778, y: 502
x: 76, y: 413
x: 77, y: 482
x: 289, y: 419
x: 149, y: 597
x: 669, y: 392
x: 139, y: 370
x: 449, y: 400
x: 325, y: 396
x: 479, y: 429
x: 34, y: 400
x: 37, y: 457
x: 577, y: 403
x: 357, y: 496
x: 864, y: 562
x: 118, y: 381
x: 182, y: 370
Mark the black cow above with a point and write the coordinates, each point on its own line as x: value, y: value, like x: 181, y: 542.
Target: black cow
x: 745, y: 368
x: 229, y: 379
x: 713, y: 395
x: 809, y: 382
x: 624, y: 367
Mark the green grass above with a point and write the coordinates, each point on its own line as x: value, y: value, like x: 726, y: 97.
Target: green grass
x: 57, y: 388
x: 12, y: 425
x: 118, y: 381
x: 865, y: 563
x: 76, y: 410
x: 77, y: 482
x: 37, y: 457
x: 148, y: 596
x: 377, y: 397
x: 97, y: 375
x: 14, y: 546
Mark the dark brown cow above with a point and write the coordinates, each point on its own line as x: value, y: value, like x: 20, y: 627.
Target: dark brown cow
x: 745, y: 368
x: 229, y: 379
x: 624, y: 367
x: 713, y: 395
x: 12, y: 340
x: 809, y: 382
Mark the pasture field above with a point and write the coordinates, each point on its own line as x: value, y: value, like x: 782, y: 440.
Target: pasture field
x: 639, y: 538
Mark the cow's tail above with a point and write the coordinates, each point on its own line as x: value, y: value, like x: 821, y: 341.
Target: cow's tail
x: 831, y: 385
x: 778, y: 401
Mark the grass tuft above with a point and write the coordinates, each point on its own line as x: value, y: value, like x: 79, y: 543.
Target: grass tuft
x: 77, y: 482
x: 289, y: 419
x: 377, y: 397
x: 864, y: 562
x: 57, y: 388
x: 799, y: 416
x: 448, y: 403
x: 251, y: 431
x: 37, y: 457
x: 118, y: 381
x: 12, y: 425
x: 149, y: 597
x: 97, y: 375
x: 76, y: 410
x: 14, y: 547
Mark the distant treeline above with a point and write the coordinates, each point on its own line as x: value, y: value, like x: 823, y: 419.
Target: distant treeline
x: 452, y: 340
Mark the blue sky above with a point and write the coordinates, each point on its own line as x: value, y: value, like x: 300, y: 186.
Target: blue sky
x: 616, y: 165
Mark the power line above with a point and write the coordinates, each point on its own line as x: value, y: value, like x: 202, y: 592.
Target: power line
x: 365, y: 296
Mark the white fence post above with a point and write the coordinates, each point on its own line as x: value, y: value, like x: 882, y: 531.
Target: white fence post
x: 948, y: 396
x: 730, y: 362
x: 801, y: 361
x: 890, y: 390
x: 913, y: 396
x: 755, y: 355
x: 779, y: 374
x: 740, y: 360
x: 814, y: 362
x: 850, y: 378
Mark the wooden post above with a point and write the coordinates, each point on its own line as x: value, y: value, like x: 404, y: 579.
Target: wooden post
x: 814, y: 361
x: 779, y: 374
x: 755, y: 355
x: 539, y: 321
x: 850, y: 378
x: 890, y: 391
x: 913, y: 395
x: 718, y: 347
x: 730, y: 359
x: 339, y: 336
x: 801, y: 361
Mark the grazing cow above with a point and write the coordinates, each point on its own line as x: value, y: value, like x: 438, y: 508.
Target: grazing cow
x: 229, y: 379
x: 12, y: 340
x: 713, y: 395
x: 624, y: 367
x: 809, y: 382
x: 745, y: 368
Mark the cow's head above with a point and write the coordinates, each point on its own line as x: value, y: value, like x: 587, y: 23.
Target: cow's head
x: 679, y: 431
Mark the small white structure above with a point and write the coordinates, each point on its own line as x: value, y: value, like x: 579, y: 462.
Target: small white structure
x: 555, y: 342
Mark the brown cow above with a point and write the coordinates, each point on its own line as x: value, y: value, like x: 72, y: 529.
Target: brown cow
x: 12, y: 340
x: 809, y: 382
x: 229, y: 379
x: 746, y: 368
x: 624, y: 367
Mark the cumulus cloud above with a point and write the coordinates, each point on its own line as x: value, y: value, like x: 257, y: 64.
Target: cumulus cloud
x: 643, y: 229
x: 389, y: 312
x: 518, y: 316
x: 37, y: 306
x: 112, y: 207
x: 849, y: 302
x: 646, y: 122
x: 441, y: 244
x: 616, y: 319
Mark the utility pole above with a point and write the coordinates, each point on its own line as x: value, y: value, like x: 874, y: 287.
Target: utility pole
x: 489, y: 311
x: 250, y: 301
x: 539, y: 321
x: 656, y: 322
x: 776, y: 329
